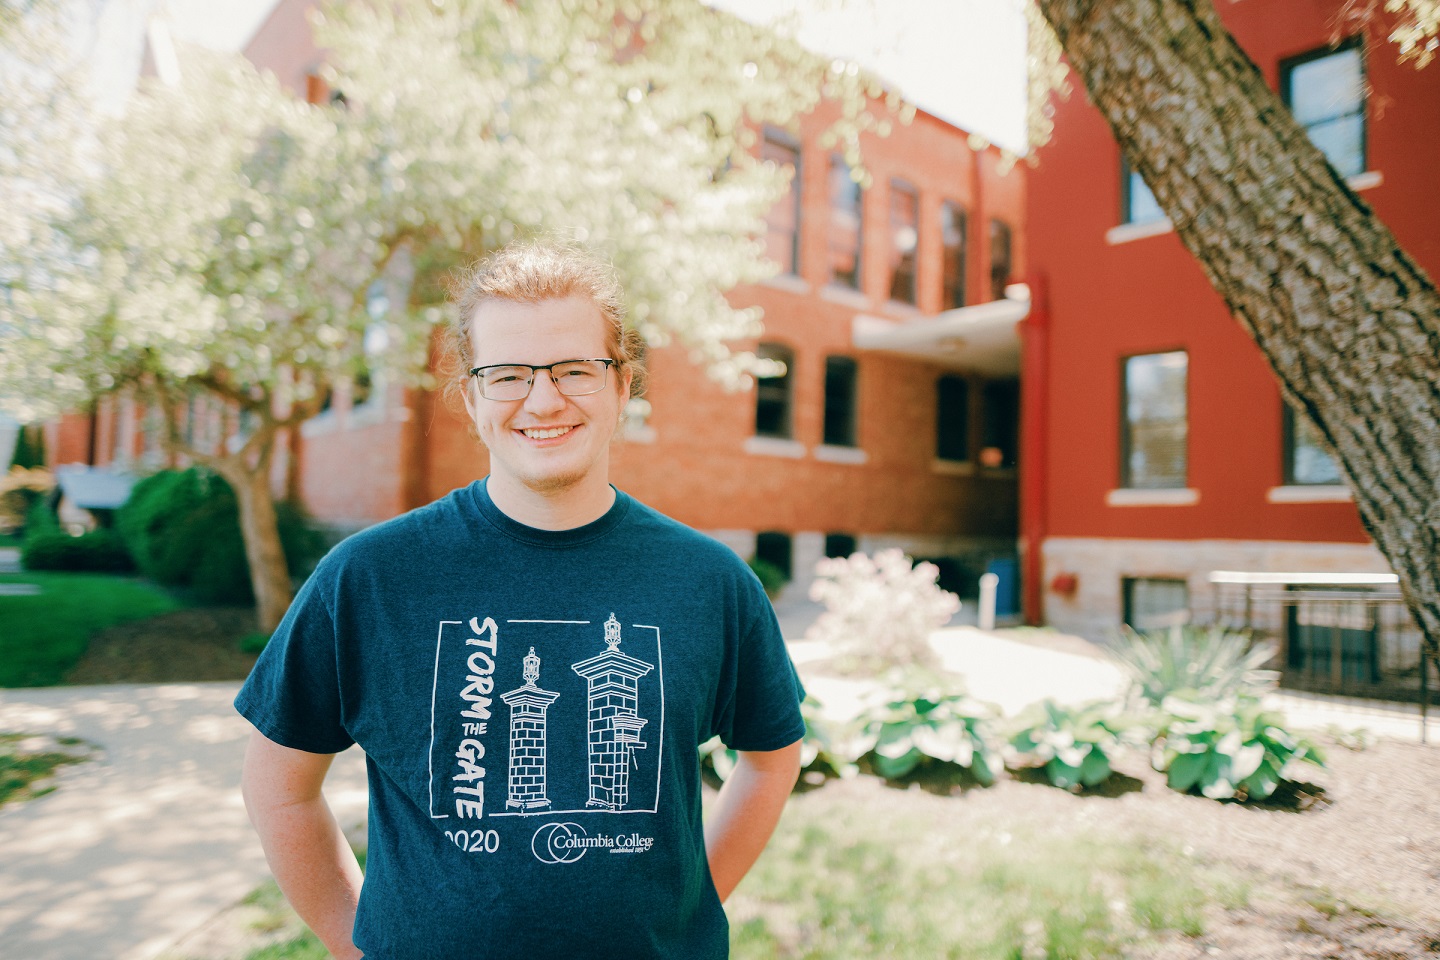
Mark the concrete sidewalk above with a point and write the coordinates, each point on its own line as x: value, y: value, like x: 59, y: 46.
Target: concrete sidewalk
x: 146, y: 843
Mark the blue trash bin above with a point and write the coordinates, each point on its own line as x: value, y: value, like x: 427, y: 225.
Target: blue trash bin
x: 1007, y: 589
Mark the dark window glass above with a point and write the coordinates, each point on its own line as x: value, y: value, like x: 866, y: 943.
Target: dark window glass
x: 772, y: 394
x: 845, y: 222
x: 1153, y: 603
x: 782, y: 223
x: 1155, y: 421
x: 952, y: 245
x: 999, y: 423
x: 1000, y: 265
x: 1306, y: 461
x: 774, y: 548
x: 839, y: 544
x: 1325, y: 90
x: 952, y: 418
x: 1140, y: 205
x: 904, y: 240
x: 840, y: 396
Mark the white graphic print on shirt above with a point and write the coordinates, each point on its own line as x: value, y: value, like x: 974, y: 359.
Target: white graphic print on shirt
x: 583, y: 740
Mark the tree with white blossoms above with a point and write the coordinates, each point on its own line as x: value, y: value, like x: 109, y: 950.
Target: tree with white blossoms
x: 225, y: 239
x: 879, y: 611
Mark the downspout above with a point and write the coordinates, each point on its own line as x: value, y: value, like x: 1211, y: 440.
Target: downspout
x: 1034, y: 448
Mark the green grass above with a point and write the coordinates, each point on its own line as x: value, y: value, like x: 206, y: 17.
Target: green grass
x: 42, y: 636
x: 896, y: 875
x: 21, y: 769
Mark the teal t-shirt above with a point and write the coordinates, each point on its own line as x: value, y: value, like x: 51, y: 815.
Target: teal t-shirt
x: 530, y: 703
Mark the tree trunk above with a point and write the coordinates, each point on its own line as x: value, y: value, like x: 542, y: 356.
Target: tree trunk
x: 263, y: 553
x: 1348, y: 321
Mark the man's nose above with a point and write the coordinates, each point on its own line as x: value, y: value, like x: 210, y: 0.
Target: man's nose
x: 544, y: 393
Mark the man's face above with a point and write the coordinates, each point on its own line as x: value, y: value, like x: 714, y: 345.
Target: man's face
x: 547, y: 442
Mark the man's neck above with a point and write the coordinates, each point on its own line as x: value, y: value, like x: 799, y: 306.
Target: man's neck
x: 565, y: 509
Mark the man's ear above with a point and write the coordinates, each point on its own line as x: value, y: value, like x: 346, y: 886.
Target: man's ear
x: 467, y: 385
x: 626, y: 376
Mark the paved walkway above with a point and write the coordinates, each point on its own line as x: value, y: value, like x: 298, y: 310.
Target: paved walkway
x: 148, y: 843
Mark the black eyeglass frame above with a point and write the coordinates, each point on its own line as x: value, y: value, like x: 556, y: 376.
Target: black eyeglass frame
x: 536, y: 368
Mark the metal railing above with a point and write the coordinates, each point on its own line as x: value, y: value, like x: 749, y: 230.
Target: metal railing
x: 1337, y: 633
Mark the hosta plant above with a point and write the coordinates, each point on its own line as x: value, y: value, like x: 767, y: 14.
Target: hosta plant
x: 1202, y: 663
x: 1074, y: 745
x: 1230, y: 749
x: 913, y: 730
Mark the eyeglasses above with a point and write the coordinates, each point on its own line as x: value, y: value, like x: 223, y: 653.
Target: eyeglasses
x: 512, y: 381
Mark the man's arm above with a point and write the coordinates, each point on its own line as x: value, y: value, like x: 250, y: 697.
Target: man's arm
x: 304, y: 845
x: 746, y: 812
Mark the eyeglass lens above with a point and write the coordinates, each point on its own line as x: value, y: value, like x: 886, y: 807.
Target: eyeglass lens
x: 574, y: 378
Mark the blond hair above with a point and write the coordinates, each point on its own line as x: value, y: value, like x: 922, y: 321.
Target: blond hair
x: 536, y: 270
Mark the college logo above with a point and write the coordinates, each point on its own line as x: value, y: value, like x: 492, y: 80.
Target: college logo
x: 559, y: 843
x: 568, y: 842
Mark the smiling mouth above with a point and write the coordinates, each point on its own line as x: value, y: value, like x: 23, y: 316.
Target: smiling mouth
x: 545, y: 433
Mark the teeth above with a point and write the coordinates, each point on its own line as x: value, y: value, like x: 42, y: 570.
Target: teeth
x: 546, y: 434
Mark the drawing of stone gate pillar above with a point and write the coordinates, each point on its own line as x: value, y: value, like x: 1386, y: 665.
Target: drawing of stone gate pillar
x: 528, y: 703
x: 613, y: 718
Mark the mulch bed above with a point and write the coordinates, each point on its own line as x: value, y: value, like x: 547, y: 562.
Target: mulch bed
x: 202, y: 643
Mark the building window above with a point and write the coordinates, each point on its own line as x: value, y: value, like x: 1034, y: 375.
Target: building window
x: 1138, y: 204
x: 999, y: 423
x: 1306, y: 461
x: 772, y: 393
x: 1325, y: 90
x: 999, y: 258
x: 782, y: 223
x: 904, y: 240
x: 774, y: 548
x: 1155, y: 421
x: 845, y: 224
x: 952, y: 418
x: 840, y: 397
x: 1154, y: 603
x: 839, y: 544
x: 952, y: 247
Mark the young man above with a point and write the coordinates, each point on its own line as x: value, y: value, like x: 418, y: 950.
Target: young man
x: 529, y: 664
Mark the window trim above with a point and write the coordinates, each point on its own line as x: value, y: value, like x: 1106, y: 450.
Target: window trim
x: 852, y: 438
x: 784, y: 139
x: 963, y: 287
x: 1127, y: 595
x: 1125, y: 445
x: 901, y: 185
x: 831, y: 279
x: 785, y: 354
x: 1286, y: 69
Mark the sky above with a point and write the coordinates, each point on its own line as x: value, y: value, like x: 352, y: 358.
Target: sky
x: 962, y: 60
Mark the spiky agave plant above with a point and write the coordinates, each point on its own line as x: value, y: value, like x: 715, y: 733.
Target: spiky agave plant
x: 1207, y: 664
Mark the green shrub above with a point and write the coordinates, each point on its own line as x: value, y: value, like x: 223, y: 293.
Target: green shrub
x: 1232, y: 748
x: 920, y: 730
x: 100, y: 551
x: 1074, y: 745
x: 1201, y: 663
x: 254, y: 642
x: 183, y: 528
x: 772, y: 578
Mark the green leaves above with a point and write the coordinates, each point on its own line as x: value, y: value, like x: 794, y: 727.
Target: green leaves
x: 914, y: 730
x: 1230, y: 749
x: 1209, y: 663
x: 1075, y: 745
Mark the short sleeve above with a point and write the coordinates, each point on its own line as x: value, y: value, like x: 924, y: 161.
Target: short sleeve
x: 762, y: 711
x: 292, y: 696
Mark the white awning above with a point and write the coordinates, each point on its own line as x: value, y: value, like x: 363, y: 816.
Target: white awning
x: 983, y: 338
x: 93, y: 488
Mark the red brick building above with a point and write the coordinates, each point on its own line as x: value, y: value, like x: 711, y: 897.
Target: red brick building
x: 1167, y: 450
x: 896, y: 422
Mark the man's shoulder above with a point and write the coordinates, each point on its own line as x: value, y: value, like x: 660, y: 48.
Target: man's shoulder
x: 660, y: 531
x: 414, y: 531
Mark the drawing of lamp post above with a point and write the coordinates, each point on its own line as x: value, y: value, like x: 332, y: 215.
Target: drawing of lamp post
x: 528, y: 703
x: 613, y: 718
